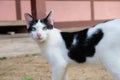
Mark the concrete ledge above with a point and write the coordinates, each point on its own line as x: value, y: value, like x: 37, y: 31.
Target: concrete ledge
x: 12, y: 23
x: 18, y: 26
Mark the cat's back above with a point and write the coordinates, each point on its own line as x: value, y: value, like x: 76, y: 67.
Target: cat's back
x: 111, y: 35
x: 109, y: 26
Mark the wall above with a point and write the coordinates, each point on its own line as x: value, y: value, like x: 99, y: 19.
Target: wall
x: 80, y: 10
x: 8, y: 9
x: 69, y: 10
x: 66, y: 12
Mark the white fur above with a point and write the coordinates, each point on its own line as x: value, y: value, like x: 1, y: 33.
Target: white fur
x: 55, y: 52
x: 107, y: 51
x: 74, y: 40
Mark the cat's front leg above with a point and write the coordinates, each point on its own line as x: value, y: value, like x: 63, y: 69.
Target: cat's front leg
x: 59, y: 71
x: 66, y: 76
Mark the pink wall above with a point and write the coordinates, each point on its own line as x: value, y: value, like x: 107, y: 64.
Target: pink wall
x: 64, y: 11
x: 69, y: 10
x: 81, y: 10
x: 107, y: 9
x: 25, y: 7
x: 8, y: 9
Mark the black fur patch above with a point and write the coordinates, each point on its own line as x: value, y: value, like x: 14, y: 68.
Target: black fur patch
x: 46, y: 22
x: 33, y: 22
x: 84, y: 47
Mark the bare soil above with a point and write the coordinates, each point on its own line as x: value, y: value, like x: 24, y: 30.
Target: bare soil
x: 20, y: 57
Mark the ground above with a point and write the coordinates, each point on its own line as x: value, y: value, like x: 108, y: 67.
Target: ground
x: 20, y: 57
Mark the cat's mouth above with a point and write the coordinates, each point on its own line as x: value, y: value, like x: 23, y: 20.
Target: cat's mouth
x: 39, y: 38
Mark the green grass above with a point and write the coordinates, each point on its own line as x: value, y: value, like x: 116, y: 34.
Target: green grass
x: 27, y: 78
x: 3, y: 58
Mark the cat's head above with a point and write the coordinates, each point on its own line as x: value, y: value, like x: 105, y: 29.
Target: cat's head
x: 39, y: 28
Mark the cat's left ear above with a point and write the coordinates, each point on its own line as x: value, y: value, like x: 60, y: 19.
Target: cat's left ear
x: 28, y: 19
x: 49, y: 18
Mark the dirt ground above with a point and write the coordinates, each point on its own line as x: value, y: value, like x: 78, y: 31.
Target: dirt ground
x: 19, y: 58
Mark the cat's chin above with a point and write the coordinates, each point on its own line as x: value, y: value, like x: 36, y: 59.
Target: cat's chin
x: 40, y: 40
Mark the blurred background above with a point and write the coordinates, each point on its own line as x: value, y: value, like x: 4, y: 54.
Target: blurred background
x: 67, y: 13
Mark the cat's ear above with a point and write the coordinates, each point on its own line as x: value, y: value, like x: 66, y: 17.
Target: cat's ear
x: 28, y: 19
x: 49, y: 18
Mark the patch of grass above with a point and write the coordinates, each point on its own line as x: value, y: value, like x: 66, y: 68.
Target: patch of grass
x: 27, y: 78
x: 2, y: 73
x: 3, y: 58
x: 35, y: 54
x: 27, y: 55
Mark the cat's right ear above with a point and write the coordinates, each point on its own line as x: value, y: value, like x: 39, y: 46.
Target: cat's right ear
x: 28, y: 19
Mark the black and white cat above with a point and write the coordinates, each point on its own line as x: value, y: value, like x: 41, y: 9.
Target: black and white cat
x: 99, y: 45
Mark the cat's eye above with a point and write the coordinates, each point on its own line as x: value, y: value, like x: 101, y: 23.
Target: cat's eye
x: 33, y: 29
x: 44, y: 28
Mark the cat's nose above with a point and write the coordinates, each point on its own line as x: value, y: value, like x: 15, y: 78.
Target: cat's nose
x: 38, y: 35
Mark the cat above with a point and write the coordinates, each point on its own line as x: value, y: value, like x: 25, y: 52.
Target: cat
x: 98, y: 44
